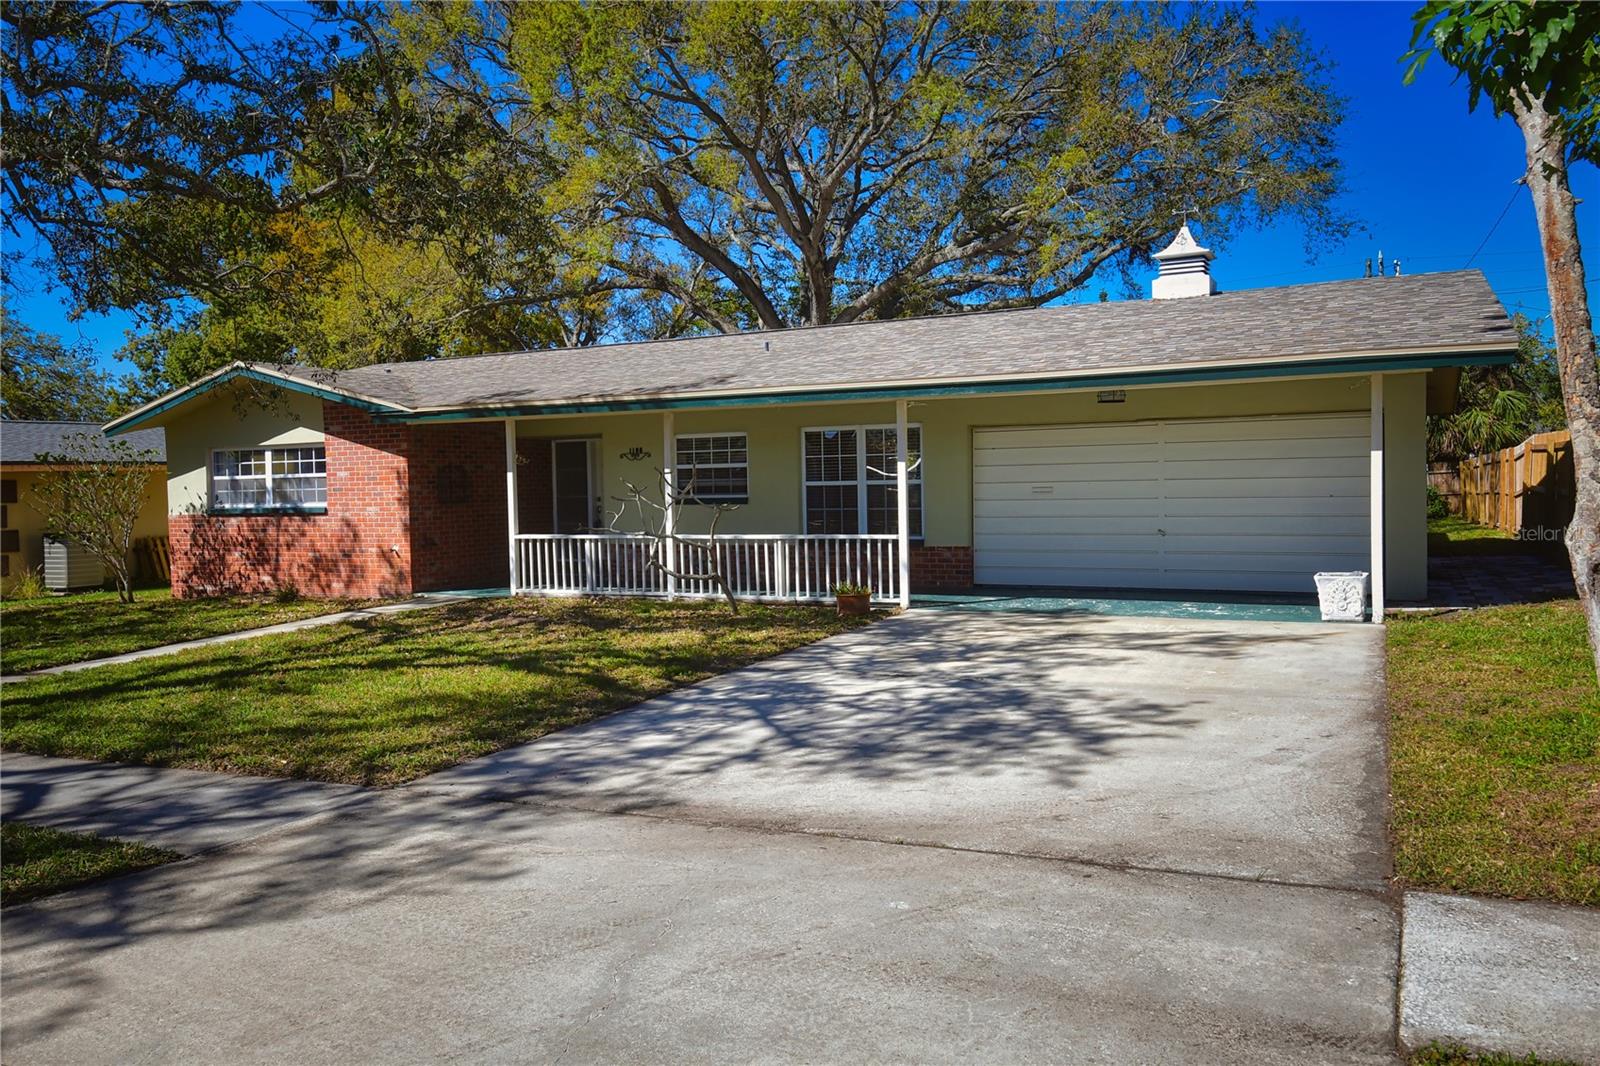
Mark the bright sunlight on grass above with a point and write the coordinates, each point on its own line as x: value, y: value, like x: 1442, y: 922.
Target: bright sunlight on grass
x: 52, y: 630
x: 386, y: 700
x: 36, y: 862
x: 1495, y: 752
x: 1455, y: 528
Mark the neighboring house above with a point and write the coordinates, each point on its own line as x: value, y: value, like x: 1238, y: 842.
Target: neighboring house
x: 1237, y: 442
x: 24, y: 446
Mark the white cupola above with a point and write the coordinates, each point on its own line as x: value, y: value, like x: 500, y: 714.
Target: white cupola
x: 1185, y: 269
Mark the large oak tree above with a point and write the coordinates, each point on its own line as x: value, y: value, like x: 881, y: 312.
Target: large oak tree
x: 777, y: 164
x: 651, y: 169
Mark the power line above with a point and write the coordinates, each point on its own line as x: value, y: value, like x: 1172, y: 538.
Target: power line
x: 1497, y: 222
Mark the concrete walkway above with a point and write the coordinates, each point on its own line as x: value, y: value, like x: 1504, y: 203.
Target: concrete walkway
x: 189, y: 811
x: 416, y: 604
x: 1501, y: 975
x: 945, y: 837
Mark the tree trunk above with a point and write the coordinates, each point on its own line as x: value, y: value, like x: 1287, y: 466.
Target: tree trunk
x: 1556, y: 212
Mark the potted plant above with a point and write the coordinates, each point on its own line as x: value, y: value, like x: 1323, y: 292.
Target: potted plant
x: 852, y: 599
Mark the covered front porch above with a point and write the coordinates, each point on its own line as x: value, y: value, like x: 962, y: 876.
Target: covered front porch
x: 1219, y: 489
x: 570, y: 533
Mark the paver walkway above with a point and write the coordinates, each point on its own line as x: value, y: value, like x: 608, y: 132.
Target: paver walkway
x: 189, y: 811
x: 417, y: 604
x: 1456, y: 581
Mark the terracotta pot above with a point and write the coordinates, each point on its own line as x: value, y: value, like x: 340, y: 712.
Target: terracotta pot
x: 854, y: 605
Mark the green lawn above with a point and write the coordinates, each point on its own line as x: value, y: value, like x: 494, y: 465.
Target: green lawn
x: 52, y: 630
x: 385, y: 700
x: 36, y: 862
x: 1456, y: 528
x: 1442, y: 1055
x: 1454, y: 535
x: 1495, y: 752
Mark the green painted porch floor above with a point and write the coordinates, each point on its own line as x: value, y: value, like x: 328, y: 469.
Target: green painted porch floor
x: 1133, y: 603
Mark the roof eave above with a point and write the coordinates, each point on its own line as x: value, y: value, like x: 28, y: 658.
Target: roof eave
x: 1362, y: 363
x: 254, y: 372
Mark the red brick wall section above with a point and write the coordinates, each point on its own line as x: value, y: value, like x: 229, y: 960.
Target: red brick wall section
x: 941, y: 567
x: 458, y: 506
x: 360, y: 547
x: 535, y: 487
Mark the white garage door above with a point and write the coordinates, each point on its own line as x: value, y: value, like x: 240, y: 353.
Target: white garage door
x: 1245, y: 504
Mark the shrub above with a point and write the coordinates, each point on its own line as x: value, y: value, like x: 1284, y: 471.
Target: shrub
x: 1437, y: 507
x: 28, y: 585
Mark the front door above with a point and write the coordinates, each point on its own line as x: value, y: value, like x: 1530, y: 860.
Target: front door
x: 574, y: 486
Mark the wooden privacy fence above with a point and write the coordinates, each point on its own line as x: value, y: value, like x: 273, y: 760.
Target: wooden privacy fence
x: 1526, y: 491
x: 1445, y: 478
x: 152, y: 558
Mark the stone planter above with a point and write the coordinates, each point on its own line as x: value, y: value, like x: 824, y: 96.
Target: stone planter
x: 1342, y: 595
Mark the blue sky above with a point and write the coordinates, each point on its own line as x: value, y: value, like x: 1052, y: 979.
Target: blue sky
x: 1426, y: 179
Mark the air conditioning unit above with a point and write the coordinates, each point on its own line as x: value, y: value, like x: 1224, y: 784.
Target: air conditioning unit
x: 67, y: 566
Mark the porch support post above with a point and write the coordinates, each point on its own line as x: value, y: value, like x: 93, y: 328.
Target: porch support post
x: 511, y: 501
x: 902, y: 502
x: 1377, y: 501
x: 669, y: 517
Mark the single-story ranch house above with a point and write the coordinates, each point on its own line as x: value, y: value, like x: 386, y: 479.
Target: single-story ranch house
x: 1237, y: 441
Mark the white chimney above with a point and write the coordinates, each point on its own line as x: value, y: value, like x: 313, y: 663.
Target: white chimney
x: 1185, y: 269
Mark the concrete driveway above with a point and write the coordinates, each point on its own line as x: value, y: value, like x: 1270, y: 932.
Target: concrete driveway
x: 946, y: 837
x: 1243, y: 749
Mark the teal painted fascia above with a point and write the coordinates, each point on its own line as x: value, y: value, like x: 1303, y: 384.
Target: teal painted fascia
x: 182, y: 397
x: 993, y: 388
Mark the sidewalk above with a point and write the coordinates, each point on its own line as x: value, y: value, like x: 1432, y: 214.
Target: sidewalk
x: 1501, y: 975
x: 189, y: 811
x: 417, y: 604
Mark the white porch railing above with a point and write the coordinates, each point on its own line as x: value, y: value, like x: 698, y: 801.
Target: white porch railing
x: 792, y: 568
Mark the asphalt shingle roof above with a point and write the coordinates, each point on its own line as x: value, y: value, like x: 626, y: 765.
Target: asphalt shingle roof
x: 26, y: 441
x: 1445, y: 312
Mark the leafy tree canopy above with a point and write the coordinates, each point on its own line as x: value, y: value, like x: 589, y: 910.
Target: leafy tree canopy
x: 772, y: 164
x: 1498, y: 406
x: 1508, y: 49
x: 43, y: 378
x: 407, y: 180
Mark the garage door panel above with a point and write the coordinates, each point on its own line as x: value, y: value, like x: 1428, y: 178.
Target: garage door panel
x: 1046, y: 493
x: 1266, y: 506
x: 1344, y: 525
x: 1288, y: 427
x: 1287, y: 488
x: 1281, y: 468
x: 1246, y: 504
x: 1071, y: 473
x: 1099, y: 524
x: 1313, y: 448
x: 1307, y: 544
x: 1147, y: 451
x: 1081, y: 545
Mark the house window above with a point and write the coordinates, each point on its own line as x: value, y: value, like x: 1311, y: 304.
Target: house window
x: 849, y: 474
x: 714, y: 468
x: 269, y: 479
